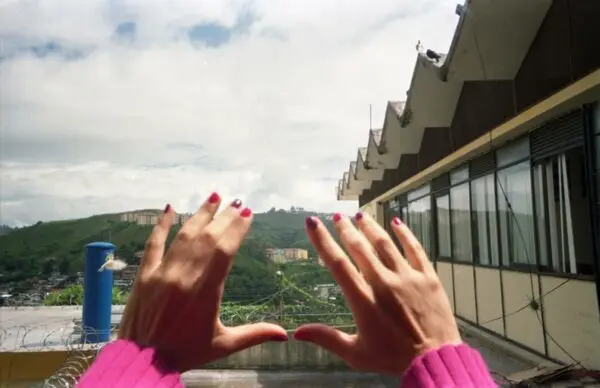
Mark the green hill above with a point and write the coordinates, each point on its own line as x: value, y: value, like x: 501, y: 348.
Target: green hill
x: 40, y: 249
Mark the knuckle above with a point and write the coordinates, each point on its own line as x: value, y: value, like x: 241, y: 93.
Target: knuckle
x: 354, y: 243
x: 185, y: 236
x: 210, y: 237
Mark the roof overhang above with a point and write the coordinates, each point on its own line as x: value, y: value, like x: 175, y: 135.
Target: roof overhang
x: 490, y: 42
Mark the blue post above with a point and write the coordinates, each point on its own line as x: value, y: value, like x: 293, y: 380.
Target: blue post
x: 97, y: 293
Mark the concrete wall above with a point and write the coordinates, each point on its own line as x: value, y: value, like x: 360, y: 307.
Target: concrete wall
x: 499, y: 301
x: 22, y: 368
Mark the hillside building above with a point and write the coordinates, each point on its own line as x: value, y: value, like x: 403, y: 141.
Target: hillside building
x: 493, y: 162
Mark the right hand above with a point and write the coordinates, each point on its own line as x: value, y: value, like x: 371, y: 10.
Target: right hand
x: 399, y: 305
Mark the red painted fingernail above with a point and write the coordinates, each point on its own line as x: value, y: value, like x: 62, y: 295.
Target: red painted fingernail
x: 167, y: 208
x: 337, y: 217
x: 301, y: 336
x: 279, y: 338
x: 214, y: 198
x: 397, y: 221
x: 311, y: 222
x: 358, y: 216
x: 236, y: 204
x: 246, y: 213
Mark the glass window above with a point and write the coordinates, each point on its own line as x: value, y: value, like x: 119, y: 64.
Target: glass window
x: 563, y: 215
x: 461, y: 223
x: 485, y: 233
x: 513, y: 152
x: 515, y: 211
x: 419, y: 221
x: 597, y: 118
x: 442, y: 205
x: 459, y: 175
x: 404, y: 214
x: 417, y: 193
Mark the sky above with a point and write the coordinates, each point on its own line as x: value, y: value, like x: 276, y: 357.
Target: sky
x: 116, y: 105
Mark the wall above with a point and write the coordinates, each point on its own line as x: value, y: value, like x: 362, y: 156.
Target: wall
x: 499, y: 301
x: 21, y: 368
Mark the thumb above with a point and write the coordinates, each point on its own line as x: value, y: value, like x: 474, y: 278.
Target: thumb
x: 333, y: 340
x: 242, y: 337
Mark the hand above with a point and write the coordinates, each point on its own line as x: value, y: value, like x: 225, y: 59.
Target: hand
x: 174, y: 305
x: 399, y: 305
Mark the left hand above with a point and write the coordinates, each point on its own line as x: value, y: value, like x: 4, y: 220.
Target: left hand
x: 174, y: 305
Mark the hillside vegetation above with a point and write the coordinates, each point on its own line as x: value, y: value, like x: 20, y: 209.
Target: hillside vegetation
x: 40, y: 249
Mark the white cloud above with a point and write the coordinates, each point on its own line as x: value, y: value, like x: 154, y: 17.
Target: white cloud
x: 273, y: 116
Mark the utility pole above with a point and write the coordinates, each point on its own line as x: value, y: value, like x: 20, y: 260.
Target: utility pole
x: 280, y: 275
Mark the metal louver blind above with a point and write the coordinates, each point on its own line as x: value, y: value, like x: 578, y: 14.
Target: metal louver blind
x: 557, y: 136
x: 483, y: 164
x: 440, y: 182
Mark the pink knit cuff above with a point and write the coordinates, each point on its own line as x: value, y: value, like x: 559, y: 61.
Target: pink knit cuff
x: 449, y: 366
x: 123, y: 364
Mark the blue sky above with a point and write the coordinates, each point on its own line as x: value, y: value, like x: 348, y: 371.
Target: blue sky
x: 108, y: 106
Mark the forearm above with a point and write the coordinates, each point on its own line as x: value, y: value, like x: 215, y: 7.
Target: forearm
x: 123, y: 364
x: 449, y: 366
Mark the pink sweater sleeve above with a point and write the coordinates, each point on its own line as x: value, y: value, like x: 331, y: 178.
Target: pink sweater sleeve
x: 447, y: 367
x: 123, y: 364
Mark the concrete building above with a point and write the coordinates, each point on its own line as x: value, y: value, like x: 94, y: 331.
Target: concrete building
x: 493, y: 162
x: 125, y: 277
x: 285, y: 255
x: 150, y: 217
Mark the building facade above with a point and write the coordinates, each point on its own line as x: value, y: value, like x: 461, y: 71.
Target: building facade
x: 284, y: 255
x: 493, y: 162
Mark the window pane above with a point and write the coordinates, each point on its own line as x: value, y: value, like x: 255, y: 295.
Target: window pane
x: 459, y: 175
x: 485, y: 247
x: 597, y: 117
x: 421, y: 191
x: 539, y: 188
x: 442, y: 205
x: 419, y: 221
x: 461, y: 223
x: 516, y: 214
x: 513, y: 152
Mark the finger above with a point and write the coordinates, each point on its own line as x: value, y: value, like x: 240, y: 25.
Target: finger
x: 234, y: 339
x: 214, y: 231
x: 384, y: 246
x: 414, y: 252
x: 360, y: 250
x: 201, y: 218
x: 353, y: 285
x: 333, y: 340
x: 155, y: 245
x: 230, y: 242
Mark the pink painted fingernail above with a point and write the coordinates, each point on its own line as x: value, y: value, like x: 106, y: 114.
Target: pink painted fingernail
x: 337, y: 217
x: 358, y: 216
x: 311, y: 223
x: 236, y: 203
x: 214, y: 198
x: 397, y: 221
x: 279, y: 338
x: 246, y: 213
x: 301, y: 336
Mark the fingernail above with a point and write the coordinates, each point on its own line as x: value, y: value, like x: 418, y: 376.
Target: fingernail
x: 358, y: 216
x: 167, y: 208
x: 279, y: 338
x: 337, y: 217
x: 236, y: 204
x: 214, y: 198
x: 301, y: 336
x: 397, y: 221
x: 311, y: 222
x: 246, y: 213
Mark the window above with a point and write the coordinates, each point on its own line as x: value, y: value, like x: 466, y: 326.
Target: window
x: 442, y: 205
x: 459, y: 175
x: 417, y: 193
x: 513, y: 152
x: 563, y: 215
x: 515, y: 212
x: 485, y: 233
x: 419, y: 221
x: 461, y: 223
